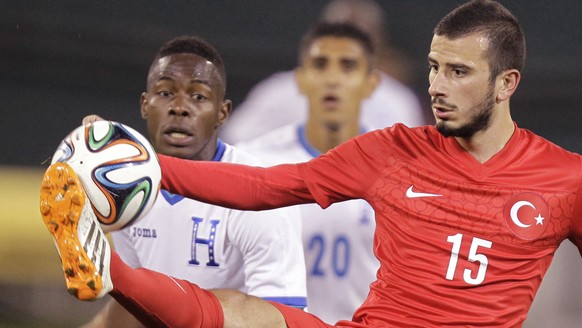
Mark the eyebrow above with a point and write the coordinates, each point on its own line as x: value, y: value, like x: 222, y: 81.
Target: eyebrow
x: 164, y: 78
x: 206, y: 82
x: 452, y: 65
x: 198, y: 81
x: 349, y: 60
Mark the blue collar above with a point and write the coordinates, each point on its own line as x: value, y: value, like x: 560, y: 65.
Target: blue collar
x: 220, y: 148
x: 174, y: 198
x: 306, y: 145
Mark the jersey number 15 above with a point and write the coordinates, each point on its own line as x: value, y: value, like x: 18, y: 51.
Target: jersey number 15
x: 473, y: 256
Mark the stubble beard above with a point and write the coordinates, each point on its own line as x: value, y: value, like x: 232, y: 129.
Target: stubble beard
x: 479, y: 121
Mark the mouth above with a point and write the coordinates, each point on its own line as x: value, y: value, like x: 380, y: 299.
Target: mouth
x: 442, y: 113
x: 441, y: 110
x: 331, y: 101
x: 177, y: 136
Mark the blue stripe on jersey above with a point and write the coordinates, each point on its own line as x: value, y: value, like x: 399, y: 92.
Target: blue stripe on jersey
x: 173, y: 198
x: 220, y: 148
x: 307, y: 146
x: 296, y: 302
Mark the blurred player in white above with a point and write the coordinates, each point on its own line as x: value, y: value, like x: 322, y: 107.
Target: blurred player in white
x: 213, y: 246
x: 336, y: 74
x: 278, y: 97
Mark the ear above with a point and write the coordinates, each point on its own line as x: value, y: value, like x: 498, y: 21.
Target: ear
x: 372, y: 83
x: 509, y: 80
x: 143, y: 108
x: 300, y: 79
x: 224, y: 112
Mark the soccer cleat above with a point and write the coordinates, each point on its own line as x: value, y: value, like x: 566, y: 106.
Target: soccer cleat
x: 83, y: 247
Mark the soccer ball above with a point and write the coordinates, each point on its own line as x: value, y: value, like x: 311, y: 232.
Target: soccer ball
x: 118, y: 169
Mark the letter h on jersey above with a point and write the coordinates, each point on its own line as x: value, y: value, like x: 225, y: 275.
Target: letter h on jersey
x: 201, y: 241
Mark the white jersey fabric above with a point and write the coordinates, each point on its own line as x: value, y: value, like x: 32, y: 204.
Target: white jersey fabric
x: 276, y: 101
x: 337, y: 241
x: 258, y: 253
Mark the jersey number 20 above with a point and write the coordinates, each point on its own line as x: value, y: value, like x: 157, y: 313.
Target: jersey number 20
x: 340, y: 255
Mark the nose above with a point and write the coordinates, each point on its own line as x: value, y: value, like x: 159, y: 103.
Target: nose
x: 179, y: 107
x: 437, y: 85
x: 332, y: 76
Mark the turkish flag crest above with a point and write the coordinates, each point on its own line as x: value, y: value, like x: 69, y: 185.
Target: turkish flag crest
x: 527, y: 215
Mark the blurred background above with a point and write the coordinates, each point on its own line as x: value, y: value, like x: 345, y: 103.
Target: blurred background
x: 62, y: 60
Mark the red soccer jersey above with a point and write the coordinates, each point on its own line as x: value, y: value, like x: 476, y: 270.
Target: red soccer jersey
x: 459, y: 242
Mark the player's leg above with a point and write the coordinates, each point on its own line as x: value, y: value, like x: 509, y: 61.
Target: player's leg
x: 241, y: 310
x: 296, y: 318
x: 153, y: 298
x: 158, y: 300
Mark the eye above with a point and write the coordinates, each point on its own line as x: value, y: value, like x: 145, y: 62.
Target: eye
x: 319, y: 63
x: 433, y: 68
x: 199, y: 97
x: 349, y: 65
x: 458, y: 72
x: 164, y: 93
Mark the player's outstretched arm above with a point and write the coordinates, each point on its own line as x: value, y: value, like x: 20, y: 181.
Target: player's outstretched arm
x: 235, y: 185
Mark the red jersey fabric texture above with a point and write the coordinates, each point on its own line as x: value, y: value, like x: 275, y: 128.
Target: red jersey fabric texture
x: 460, y: 242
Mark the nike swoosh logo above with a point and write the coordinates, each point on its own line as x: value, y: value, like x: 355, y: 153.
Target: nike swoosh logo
x: 413, y: 194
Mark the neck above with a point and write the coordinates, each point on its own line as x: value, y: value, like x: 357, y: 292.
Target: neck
x: 324, y: 137
x: 485, y: 144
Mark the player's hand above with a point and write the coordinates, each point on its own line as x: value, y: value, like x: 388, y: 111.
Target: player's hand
x: 92, y: 118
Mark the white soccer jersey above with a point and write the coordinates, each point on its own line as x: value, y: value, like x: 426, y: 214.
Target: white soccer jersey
x: 258, y: 253
x: 337, y: 241
x: 276, y: 102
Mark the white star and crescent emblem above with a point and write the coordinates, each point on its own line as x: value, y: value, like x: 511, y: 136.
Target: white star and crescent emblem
x: 527, y: 215
x: 515, y: 208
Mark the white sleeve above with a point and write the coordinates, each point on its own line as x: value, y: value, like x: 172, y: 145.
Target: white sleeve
x: 271, y: 244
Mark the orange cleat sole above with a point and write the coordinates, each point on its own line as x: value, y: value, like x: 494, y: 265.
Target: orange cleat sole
x: 62, y: 202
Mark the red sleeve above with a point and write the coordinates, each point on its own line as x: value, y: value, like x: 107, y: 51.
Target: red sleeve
x: 347, y: 171
x: 576, y: 235
x: 234, y: 185
x: 344, y: 173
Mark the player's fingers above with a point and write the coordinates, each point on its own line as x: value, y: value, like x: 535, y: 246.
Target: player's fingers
x: 91, y: 118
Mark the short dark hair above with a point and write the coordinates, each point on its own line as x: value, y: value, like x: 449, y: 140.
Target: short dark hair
x: 506, y: 38
x: 339, y: 30
x: 193, y: 45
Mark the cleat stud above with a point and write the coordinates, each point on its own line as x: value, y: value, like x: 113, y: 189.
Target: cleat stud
x: 76, y: 199
x: 91, y: 284
x: 70, y: 272
x: 54, y: 227
x: 45, y: 208
x: 72, y: 291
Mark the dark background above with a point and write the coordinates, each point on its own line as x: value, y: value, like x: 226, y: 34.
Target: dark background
x: 61, y: 60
